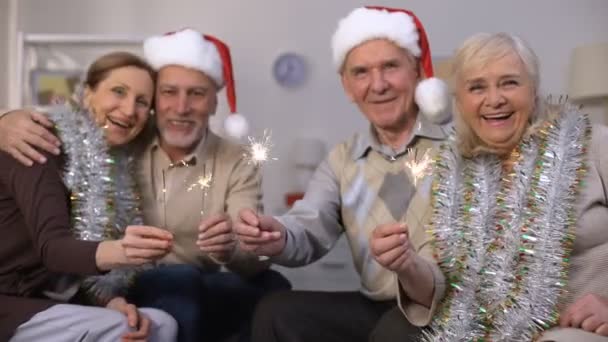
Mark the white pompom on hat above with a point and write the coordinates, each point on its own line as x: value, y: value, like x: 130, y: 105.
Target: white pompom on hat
x: 403, y: 28
x: 202, y: 52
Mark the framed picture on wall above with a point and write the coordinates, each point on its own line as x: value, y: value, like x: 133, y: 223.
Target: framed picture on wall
x: 52, y: 86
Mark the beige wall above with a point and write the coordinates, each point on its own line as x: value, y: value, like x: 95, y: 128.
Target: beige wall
x: 259, y: 30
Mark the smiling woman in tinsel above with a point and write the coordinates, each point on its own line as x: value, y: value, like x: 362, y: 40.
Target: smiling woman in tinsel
x: 506, y: 238
x: 72, y: 234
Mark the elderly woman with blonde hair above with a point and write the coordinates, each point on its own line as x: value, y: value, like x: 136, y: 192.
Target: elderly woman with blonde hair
x: 507, y: 239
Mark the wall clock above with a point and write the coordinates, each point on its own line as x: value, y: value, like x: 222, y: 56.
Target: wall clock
x: 290, y: 70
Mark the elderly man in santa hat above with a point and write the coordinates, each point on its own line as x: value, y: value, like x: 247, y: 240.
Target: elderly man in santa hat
x: 192, y: 182
x: 383, y: 59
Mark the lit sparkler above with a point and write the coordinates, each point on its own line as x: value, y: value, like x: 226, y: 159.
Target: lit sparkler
x: 203, y: 182
x: 258, y: 151
x: 418, y: 167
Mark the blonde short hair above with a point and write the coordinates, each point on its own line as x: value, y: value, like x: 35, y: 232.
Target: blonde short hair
x: 478, y: 51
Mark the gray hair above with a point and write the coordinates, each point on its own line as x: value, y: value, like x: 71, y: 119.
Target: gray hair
x: 483, y: 48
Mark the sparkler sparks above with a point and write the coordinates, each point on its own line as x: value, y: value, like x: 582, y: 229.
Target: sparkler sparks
x: 418, y: 167
x: 258, y: 151
x: 202, y: 183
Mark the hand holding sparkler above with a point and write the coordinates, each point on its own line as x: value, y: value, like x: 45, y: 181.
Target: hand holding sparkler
x: 390, y: 246
x: 217, y: 238
x: 260, y: 234
x: 258, y: 153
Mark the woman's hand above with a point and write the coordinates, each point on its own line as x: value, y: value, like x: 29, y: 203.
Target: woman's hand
x: 589, y: 313
x: 140, y: 245
x: 139, y: 324
x: 145, y: 244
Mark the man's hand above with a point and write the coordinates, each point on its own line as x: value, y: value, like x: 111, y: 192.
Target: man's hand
x: 216, y: 237
x: 140, y: 245
x: 139, y: 324
x: 589, y: 313
x: 260, y: 234
x: 391, y: 247
x: 21, y: 132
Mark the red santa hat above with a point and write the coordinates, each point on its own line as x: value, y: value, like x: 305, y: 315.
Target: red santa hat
x: 403, y: 28
x: 202, y: 52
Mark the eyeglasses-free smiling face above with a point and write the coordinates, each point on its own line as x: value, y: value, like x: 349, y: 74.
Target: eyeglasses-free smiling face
x: 185, y: 98
x: 121, y: 103
x: 380, y: 78
x: 496, y: 101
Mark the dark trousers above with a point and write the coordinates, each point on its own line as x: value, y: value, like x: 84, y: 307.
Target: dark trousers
x: 393, y: 326
x: 208, y: 306
x: 302, y: 316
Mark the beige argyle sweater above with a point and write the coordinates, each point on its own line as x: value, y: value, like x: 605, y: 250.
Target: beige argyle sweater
x: 360, y: 186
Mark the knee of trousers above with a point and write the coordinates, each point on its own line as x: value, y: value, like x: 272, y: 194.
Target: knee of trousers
x: 108, y: 322
x: 173, y: 279
x: 275, y: 308
x: 163, y: 326
x: 272, y: 280
x: 90, y: 324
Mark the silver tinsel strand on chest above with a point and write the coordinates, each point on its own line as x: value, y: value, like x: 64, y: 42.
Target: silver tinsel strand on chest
x: 103, y: 194
x: 503, y: 239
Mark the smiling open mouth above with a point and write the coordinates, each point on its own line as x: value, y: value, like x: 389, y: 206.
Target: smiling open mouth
x: 119, y: 123
x: 181, y: 123
x: 498, y: 116
x: 383, y: 101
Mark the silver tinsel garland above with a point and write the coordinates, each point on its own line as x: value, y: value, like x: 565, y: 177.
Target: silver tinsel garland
x: 503, y: 239
x: 104, y: 200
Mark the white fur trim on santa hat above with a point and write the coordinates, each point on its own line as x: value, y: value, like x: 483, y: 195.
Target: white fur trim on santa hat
x: 236, y: 126
x: 433, y: 99
x: 186, y: 48
x: 363, y: 24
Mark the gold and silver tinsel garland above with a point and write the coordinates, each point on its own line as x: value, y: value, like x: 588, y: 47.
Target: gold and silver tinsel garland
x: 503, y: 232
x: 103, y: 193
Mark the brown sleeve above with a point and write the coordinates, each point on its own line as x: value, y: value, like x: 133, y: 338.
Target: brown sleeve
x: 42, y: 200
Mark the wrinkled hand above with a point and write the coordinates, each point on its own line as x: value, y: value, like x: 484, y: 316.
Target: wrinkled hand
x: 139, y: 324
x: 145, y: 244
x: 260, y: 234
x: 216, y: 237
x: 589, y: 313
x: 22, y: 131
x: 391, y: 247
